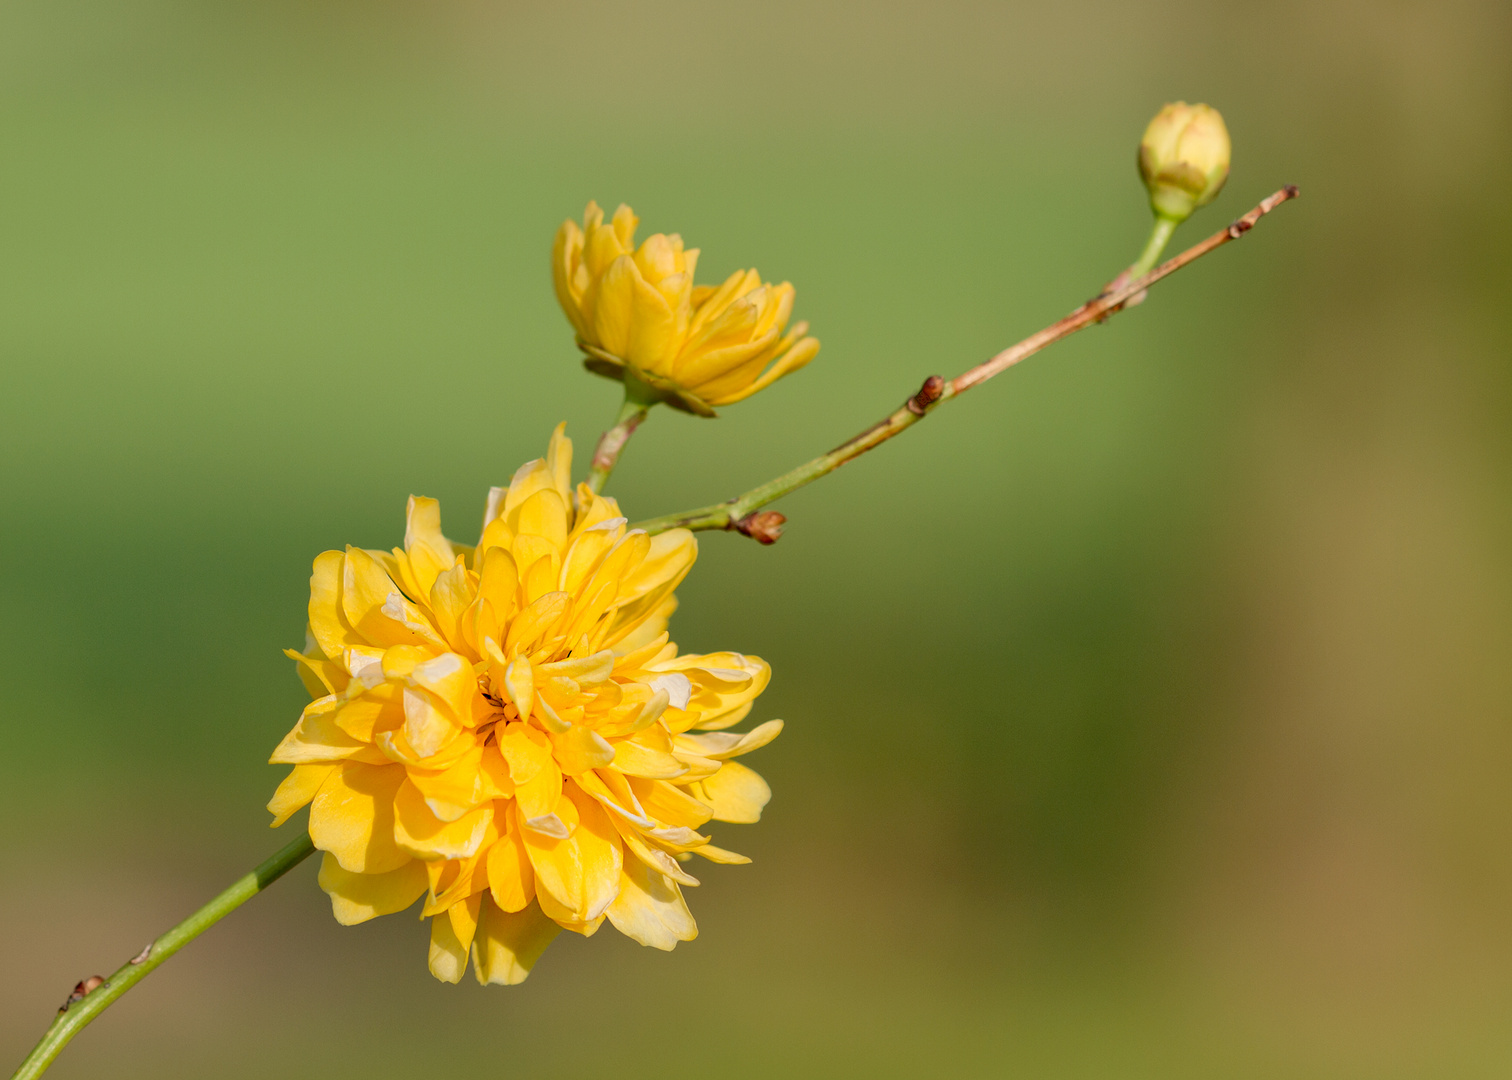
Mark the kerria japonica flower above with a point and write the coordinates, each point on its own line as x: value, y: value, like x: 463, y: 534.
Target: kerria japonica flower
x: 640, y: 318
x: 507, y: 731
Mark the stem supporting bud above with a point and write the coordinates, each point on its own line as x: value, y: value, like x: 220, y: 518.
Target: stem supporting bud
x: 612, y: 442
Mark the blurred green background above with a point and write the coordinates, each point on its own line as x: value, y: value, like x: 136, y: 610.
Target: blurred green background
x: 1148, y: 708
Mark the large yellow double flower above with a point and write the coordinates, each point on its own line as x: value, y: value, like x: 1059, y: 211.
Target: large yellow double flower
x: 507, y: 731
x: 639, y: 316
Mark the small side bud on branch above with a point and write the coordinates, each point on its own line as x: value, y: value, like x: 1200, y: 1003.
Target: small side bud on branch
x: 928, y: 394
x: 81, y: 990
x: 764, y: 527
x: 1247, y: 222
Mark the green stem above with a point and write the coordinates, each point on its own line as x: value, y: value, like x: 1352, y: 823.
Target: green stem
x: 81, y: 1012
x: 728, y: 515
x: 612, y: 442
x: 1160, y: 236
x: 732, y: 513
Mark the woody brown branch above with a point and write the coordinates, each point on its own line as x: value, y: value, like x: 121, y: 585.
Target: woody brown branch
x: 1121, y: 293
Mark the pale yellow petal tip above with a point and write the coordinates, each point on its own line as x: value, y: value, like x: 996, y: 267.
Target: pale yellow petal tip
x: 448, y: 957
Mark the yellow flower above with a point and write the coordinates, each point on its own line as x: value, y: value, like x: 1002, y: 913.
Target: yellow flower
x: 640, y: 318
x: 506, y: 730
x: 1184, y: 158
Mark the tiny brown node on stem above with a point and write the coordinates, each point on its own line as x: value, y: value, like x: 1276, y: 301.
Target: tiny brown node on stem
x: 141, y: 957
x: 928, y: 394
x: 764, y: 527
x: 81, y: 990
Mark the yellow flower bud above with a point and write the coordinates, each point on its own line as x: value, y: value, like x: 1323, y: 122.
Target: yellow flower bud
x: 1184, y: 159
x: 639, y: 317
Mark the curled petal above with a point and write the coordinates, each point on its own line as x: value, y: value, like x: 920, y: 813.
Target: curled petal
x: 720, y: 855
x: 722, y: 745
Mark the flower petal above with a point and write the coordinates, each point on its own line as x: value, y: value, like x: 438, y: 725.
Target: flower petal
x: 650, y: 908
x: 735, y: 793
x: 802, y: 351
x: 376, y: 608
x: 448, y: 957
x: 722, y: 745
x: 454, y: 791
x: 421, y: 833
x: 579, y: 749
x: 318, y: 738
x: 329, y: 626
x: 614, y: 306
x: 576, y: 876
x: 464, y: 919
x: 296, y: 791
x: 720, y: 855
x: 511, y: 880
x: 508, y: 944
x: 352, y: 817
x: 356, y: 898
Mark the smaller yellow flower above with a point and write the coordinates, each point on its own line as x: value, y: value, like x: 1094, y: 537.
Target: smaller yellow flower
x: 1184, y: 158
x: 640, y: 319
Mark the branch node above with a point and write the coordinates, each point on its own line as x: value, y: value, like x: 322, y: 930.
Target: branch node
x: 141, y: 957
x: 764, y: 527
x: 928, y: 394
x: 82, y: 989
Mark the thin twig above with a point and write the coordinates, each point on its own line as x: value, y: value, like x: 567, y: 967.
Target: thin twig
x: 92, y: 998
x: 732, y: 513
